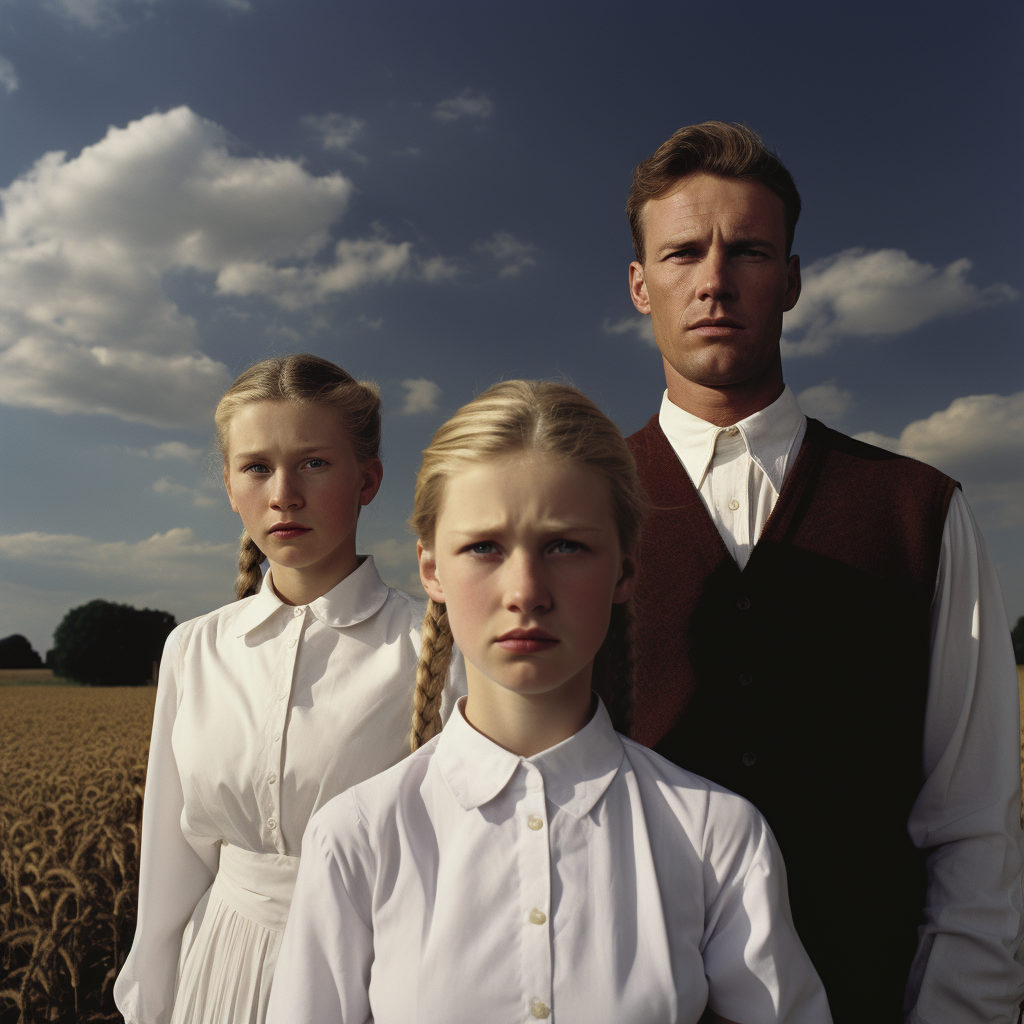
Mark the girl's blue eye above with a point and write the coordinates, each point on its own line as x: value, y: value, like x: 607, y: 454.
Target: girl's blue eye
x: 256, y: 467
x: 483, y: 547
x: 317, y: 463
x: 566, y: 547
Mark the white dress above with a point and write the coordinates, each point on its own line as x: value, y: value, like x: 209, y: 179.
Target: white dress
x: 264, y: 712
x: 593, y: 883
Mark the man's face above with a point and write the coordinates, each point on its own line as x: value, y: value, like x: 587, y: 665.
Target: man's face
x: 715, y: 281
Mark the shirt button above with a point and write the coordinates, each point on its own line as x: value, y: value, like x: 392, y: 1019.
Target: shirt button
x: 281, y: 696
x: 277, y: 739
x: 534, y: 822
x: 743, y: 603
x: 291, y: 643
x: 750, y: 759
x: 537, y: 916
x: 732, y: 431
x: 297, y: 612
x: 271, y: 824
x: 746, y: 679
x: 540, y: 1010
x: 272, y: 779
x: 734, y: 504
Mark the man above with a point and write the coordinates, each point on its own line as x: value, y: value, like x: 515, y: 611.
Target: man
x: 819, y: 625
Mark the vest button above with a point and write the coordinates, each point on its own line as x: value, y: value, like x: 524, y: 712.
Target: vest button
x: 743, y: 603
x: 750, y: 759
x: 746, y: 679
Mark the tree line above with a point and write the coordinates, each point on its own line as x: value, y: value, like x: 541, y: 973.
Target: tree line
x: 98, y: 644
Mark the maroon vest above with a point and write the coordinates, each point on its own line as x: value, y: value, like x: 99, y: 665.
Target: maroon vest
x: 800, y: 683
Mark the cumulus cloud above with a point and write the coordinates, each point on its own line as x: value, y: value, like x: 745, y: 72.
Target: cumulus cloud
x: 174, y: 450
x: 978, y: 440
x: 336, y: 131
x: 513, y: 255
x: 859, y: 293
x: 640, y: 327
x: 112, y: 14
x: 90, y: 244
x: 421, y: 395
x: 8, y: 75
x: 199, y: 498
x: 467, y: 104
x: 825, y: 402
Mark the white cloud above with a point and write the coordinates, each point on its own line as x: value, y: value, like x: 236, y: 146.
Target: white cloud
x: 825, y: 402
x: 392, y: 553
x: 8, y: 75
x: 514, y: 255
x: 857, y: 293
x: 174, y: 450
x: 978, y: 440
x: 90, y: 245
x: 197, y: 497
x: 467, y: 104
x: 112, y: 14
x: 421, y: 395
x: 336, y: 131
x: 640, y: 326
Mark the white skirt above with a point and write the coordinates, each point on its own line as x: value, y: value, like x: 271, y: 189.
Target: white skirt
x: 230, y: 946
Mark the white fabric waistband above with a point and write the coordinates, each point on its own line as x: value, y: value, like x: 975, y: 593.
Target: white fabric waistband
x: 258, y: 885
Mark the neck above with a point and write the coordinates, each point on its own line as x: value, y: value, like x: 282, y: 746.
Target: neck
x: 300, y: 586
x: 726, y: 404
x: 527, y: 723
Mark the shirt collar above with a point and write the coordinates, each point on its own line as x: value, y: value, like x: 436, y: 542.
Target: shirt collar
x: 358, y: 596
x: 576, y: 772
x: 768, y: 436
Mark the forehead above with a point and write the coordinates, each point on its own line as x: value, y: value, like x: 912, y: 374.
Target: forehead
x: 284, y: 424
x: 703, y: 203
x: 524, y: 489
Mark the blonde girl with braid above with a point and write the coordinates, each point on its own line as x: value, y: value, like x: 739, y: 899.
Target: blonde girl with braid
x: 528, y: 861
x: 272, y: 705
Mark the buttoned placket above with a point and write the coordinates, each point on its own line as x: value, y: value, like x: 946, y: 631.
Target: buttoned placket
x: 730, y: 484
x: 533, y: 840
x: 269, y: 786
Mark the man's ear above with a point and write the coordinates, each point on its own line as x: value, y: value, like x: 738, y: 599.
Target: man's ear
x: 792, y: 283
x: 227, y: 487
x: 627, y: 581
x: 428, y: 573
x: 638, y: 287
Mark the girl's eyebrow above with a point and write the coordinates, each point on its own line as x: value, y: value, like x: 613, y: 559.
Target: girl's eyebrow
x: 308, y: 450
x: 549, y: 526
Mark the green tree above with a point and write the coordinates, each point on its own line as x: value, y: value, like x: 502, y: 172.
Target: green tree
x: 17, y: 652
x: 1017, y: 636
x: 107, y: 644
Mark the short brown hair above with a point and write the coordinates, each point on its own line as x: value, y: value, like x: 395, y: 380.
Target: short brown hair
x: 724, y: 150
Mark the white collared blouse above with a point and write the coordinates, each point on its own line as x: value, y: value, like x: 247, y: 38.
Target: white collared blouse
x: 264, y: 712
x: 593, y: 883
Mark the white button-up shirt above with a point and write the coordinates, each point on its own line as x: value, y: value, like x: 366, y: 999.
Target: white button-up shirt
x: 264, y: 712
x: 593, y: 883
x: 967, y: 814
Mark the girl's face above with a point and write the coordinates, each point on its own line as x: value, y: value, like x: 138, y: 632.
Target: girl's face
x: 291, y: 475
x: 526, y: 557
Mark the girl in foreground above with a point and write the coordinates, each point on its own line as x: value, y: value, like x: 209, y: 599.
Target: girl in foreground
x: 530, y: 863
x: 270, y: 706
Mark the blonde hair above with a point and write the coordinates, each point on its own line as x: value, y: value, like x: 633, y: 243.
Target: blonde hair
x: 302, y: 378
x: 550, y: 419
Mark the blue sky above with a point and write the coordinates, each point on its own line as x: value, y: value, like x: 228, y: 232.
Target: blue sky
x: 432, y: 196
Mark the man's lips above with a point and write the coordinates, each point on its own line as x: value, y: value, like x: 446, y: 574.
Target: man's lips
x: 526, y: 641
x: 288, y: 531
x: 716, y: 327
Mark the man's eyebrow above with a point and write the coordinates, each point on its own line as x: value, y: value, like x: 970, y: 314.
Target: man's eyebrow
x: 686, y: 241
x: 752, y: 243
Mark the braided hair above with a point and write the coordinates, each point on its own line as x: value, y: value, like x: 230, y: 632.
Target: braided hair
x: 550, y: 419
x: 306, y: 379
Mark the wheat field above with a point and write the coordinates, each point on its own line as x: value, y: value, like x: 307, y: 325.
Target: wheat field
x: 72, y: 768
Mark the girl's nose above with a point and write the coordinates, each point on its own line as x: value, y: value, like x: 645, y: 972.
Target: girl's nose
x: 526, y: 588
x: 286, y: 493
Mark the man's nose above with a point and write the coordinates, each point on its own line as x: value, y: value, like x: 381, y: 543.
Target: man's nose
x: 716, y: 281
x: 526, y: 589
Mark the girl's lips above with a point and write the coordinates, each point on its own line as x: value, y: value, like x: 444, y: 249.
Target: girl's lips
x: 288, y: 532
x: 526, y: 641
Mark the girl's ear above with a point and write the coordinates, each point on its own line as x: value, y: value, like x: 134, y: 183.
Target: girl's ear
x: 227, y: 487
x: 428, y: 573
x: 373, y: 474
x: 627, y: 580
